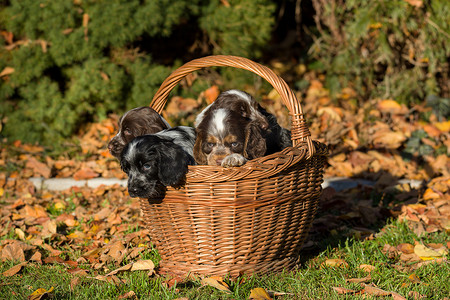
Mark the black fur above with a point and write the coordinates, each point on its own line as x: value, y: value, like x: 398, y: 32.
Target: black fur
x: 153, y: 162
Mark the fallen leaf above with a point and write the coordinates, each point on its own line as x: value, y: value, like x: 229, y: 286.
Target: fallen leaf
x: 416, y: 295
x: 13, y: 252
x: 359, y: 280
x: 121, y: 269
x: 147, y: 265
x: 390, y: 106
x: 341, y: 290
x: 14, y: 270
x: 375, y: 291
x: 211, y: 94
x: 397, y: 296
x: 109, y: 278
x: 426, y: 253
x: 367, y: 268
x: 128, y: 295
x: 38, y: 167
x: 413, y: 278
x: 74, y: 282
x: 259, y: 294
x: 416, y: 3
x: 217, y: 282
x: 336, y: 262
x: 6, y: 71
x: 85, y: 173
x: 40, y: 294
x: 406, y: 248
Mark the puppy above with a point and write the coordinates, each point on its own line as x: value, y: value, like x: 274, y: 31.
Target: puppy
x: 226, y: 138
x: 136, y: 122
x: 277, y: 138
x: 155, y: 161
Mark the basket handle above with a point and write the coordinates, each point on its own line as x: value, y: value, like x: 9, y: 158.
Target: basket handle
x: 299, y: 128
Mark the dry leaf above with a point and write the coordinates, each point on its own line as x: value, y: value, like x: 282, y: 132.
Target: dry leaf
x: 336, y: 262
x: 13, y: 252
x: 40, y: 294
x: 74, y: 282
x: 85, y: 173
x: 406, y: 248
x: 121, y: 269
x: 375, y: 291
x: 397, y: 296
x: 413, y: 278
x: 259, y: 294
x: 128, y: 295
x: 217, y: 282
x: 359, y: 280
x: 38, y: 167
x: 6, y: 71
x: 147, y: 265
x: 211, y: 94
x: 14, y: 270
x: 426, y: 253
x: 341, y: 290
x: 367, y: 268
x: 109, y: 278
x: 416, y: 3
x: 391, y: 106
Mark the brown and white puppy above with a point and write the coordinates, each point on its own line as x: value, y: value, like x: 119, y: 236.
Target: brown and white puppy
x: 136, y: 122
x: 226, y: 138
x: 277, y: 138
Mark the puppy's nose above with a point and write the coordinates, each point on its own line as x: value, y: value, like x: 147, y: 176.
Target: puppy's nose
x: 133, y: 191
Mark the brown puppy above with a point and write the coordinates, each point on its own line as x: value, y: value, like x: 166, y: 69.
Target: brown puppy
x: 226, y: 138
x: 136, y: 122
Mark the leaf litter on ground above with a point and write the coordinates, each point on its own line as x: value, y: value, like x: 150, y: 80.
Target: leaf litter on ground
x: 104, y: 224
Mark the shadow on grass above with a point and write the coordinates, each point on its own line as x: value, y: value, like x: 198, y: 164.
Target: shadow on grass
x: 357, y: 209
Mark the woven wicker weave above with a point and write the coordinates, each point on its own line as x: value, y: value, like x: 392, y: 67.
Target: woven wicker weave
x: 249, y: 219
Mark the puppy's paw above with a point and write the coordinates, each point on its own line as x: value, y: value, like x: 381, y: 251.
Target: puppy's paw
x: 233, y: 160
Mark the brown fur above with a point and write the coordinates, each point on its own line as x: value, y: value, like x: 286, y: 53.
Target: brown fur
x: 136, y: 122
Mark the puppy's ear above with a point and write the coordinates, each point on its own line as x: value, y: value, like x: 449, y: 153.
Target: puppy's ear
x: 173, y: 165
x: 199, y: 155
x: 255, y: 144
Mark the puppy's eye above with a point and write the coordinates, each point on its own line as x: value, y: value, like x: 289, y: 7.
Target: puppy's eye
x: 146, y: 167
x: 210, y: 145
x: 234, y: 144
x: 127, y: 132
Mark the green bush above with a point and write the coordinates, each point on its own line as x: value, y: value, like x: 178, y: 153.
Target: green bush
x: 78, y: 60
x: 385, y: 48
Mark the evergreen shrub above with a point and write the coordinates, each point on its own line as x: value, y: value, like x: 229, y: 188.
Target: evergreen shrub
x: 396, y: 49
x: 74, y: 61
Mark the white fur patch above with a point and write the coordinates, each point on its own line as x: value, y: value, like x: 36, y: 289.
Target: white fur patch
x: 131, y: 150
x: 218, y: 121
x: 240, y: 94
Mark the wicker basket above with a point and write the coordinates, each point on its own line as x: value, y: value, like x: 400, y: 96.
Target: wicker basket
x: 249, y: 219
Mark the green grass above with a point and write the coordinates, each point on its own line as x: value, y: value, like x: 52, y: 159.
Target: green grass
x: 312, y: 280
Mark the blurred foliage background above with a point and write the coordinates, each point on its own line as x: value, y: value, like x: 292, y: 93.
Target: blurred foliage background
x: 65, y: 63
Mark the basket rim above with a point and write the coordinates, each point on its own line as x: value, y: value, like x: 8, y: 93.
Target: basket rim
x: 299, y: 128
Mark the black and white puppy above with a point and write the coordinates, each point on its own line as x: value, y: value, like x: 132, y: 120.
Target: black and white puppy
x: 155, y: 161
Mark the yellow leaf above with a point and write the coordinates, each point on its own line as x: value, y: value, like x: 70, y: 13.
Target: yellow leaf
x: 40, y: 293
x: 2, y: 191
x: 443, y: 126
x: 20, y: 233
x: 60, y: 206
x: 389, y: 105
x: 217, y: 282
x: 336, y: 262
x: 426, y: 253
x: 259, y: 294
x: 430, y: 194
